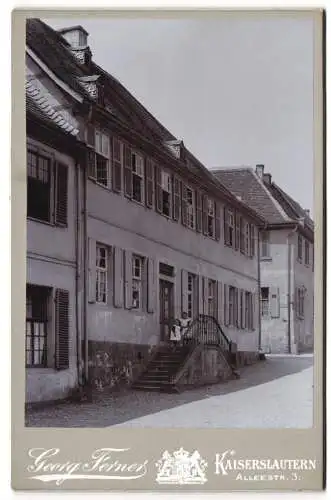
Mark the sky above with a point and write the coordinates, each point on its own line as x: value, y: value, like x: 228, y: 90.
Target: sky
x: 237, y: 90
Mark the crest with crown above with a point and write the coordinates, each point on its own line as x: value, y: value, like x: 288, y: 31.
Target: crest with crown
x: 181, y: 467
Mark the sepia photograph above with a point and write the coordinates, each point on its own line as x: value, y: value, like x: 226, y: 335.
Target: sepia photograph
x: 169, y: 222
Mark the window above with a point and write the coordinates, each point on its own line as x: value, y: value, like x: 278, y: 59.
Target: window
x: 137, y: 163
x: 118, y: 161
x: 247, y: 239
x: 232, y: 306
x: 249, y: 310
x: 47, y: 189
x: 307, y: 253
x: 264, y: 302
x: 242, y: 235
x: 300, y: 247
x: 265, y: 244
x: 137, y: 280
x: 98, y: 158
x: 166, y: 270
x: 212, y: 299
x: 210, y: 218
x: 37, y: 300
x: 229, y: 227
x: 301, y: 303
x: 190, y: 209
x: 166, y: 194
x: 102, y: 270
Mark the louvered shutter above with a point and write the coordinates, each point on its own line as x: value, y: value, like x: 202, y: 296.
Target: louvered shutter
x: 220, y: 314
x: 118, y: 277
x: 127, y: 172
x: 61, y: 329
x: 184, y: 291
x: 177, y: 200
x: 237, y: 307
x: 184, y: 206
x: 61, y: 208
x: 90, y: 135
x: 91, y: 164
x: 255, y: 298
x: 199, y: 211
x: 158, y: 188
x: 128, y: 279
x: 92, y: 251
x: 226, y: 226
x: 205, y: 215
x: 217, y: 221
x: 205, y: 295
x: 237, y: 231
x: 253, y: 239
x: 274, y: 302
x: 226, y: 305
x: 149, y: 183
x: 151, y: 286
x: 117, y: 165
x: 244, y: 325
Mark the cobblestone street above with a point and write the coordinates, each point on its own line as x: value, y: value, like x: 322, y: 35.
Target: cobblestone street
x: 274, y: 393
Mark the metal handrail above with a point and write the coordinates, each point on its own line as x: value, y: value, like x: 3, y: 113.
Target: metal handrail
x: 205, y: 329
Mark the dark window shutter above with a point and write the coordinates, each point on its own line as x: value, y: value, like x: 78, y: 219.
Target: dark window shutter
x: 118, y: 271
x: 253, y: 238
x: 226, y: 227
x: 127, y: 172
x: 184, y: 206
x: 90, y: 135
x: 128, y: 279
x: 61, y: 209
x: 242, y: 235
x: 149, y: 183
x: 176, y: 190
x: 237, y: 235
x: 205, y: 214
x: 217, y: 222
x: 91, y: 164
x: 117, y: 165
x: 62, y: 329
x: 151, y: 286
x: 199, y: 211
x: 158, y: 188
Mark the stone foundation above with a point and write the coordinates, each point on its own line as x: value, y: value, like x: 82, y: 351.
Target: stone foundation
x: 115, y: 365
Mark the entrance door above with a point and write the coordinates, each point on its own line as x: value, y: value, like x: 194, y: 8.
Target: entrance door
x: 166, y: 308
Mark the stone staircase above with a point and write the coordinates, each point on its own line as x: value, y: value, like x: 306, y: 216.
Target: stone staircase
x: 161, y: 370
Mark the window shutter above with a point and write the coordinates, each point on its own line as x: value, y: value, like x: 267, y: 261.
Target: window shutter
x: 199, y: 211
x: 118, y: 277
x: 226, y: 226
x: 242, y: 235
x: 226, y: 305
x: 237, y: 307
x: 128, y: 279
x: 274, y: 302
x: 61, y: 209
x: 220, y: 315
x: 205, y: 214
x: 184, y: 290
x: 253, y: 239
x: 151, y: 286
x: 205, y: 295
x: 201, y: 295
x: 149, y: 179
x: 91, y: 164
x: 237, y: 233
x: 117, y: 165
x: 217, y: 222
x: 184, y: 206
x: 244, y: 326
x: 92, y: 250
x: 127, y: 172
x: 90, y: 135
x: 61, y: 329
x: 158, y: 188
x: 176, y: 202
x: 255, y: 298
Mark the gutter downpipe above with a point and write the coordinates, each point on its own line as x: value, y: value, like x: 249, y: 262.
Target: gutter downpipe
x: 259, y: 285
x: 85, y: 246
x: 78, y: 274
x: 289, y: 284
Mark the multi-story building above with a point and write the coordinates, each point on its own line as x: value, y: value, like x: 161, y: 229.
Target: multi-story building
x: 287, y: 260
x: 131, y: 231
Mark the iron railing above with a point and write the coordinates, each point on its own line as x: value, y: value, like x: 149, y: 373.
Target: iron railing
x: 206, y: 330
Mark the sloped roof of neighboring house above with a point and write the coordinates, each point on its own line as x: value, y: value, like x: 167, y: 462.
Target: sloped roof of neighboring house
x: 264, y: 196
x: 52, y: 48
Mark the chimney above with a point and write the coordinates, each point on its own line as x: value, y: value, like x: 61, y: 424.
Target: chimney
x: 267, y: 178
x: 77, y: 38
x: 259, y: 170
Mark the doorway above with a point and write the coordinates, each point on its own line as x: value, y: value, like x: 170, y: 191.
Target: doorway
x: 166, y: 308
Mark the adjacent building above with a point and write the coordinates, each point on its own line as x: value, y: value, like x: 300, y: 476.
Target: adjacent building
x: 126, y: 229
x: 287, y: 260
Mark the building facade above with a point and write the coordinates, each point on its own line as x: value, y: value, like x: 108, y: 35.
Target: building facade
x: 145, y: 231
x: 287, y: 260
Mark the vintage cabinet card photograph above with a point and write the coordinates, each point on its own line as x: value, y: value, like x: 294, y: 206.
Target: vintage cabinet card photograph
x: 168, y: 250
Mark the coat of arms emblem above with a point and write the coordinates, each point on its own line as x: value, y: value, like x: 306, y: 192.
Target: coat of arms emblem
x: 181, y: 467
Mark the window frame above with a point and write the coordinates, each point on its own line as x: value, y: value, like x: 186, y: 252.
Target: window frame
x: 37, y: 319
x: 141, y: 176
x: 265, y: 243
x: 96, y: 151
x: 300, y: 248
x: 307, y: 253
x: 138, y: 281
x: 102, y: 271
x: 166, y: 174
x: 190, y: 208
x: 265, y: 301
x: 211, y: 217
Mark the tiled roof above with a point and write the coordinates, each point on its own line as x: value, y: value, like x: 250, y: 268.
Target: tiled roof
x: 244, y: 183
